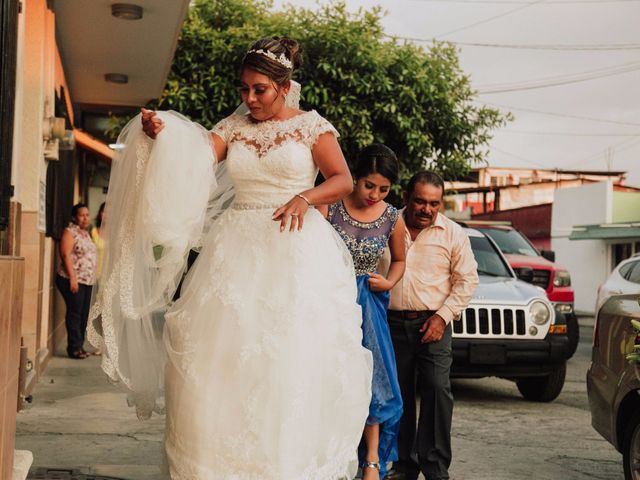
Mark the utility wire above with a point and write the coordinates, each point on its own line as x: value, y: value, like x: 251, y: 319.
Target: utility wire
x: 490, y: 19
x: 562, y: 115
x: 619, y: 147
x: 517, y: 2
x: 569, y: 134
x: 560, y: 80
x: 518, y: 157
x: 598, y: 47
x: 559, y: 47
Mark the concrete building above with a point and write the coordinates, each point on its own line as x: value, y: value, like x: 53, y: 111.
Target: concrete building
x: 493, y: 189
x: 63, y: 65
x: 593, y: 228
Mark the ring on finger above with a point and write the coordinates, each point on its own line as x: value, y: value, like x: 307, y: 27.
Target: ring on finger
x: 294, y: 214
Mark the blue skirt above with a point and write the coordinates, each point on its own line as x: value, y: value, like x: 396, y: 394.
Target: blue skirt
x: 386, y: 402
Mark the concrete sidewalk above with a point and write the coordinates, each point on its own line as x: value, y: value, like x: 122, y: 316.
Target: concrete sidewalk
x: 79, y: 421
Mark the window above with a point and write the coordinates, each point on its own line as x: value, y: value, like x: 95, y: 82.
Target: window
x: 488, y: 259
x: 626, y: 269
x: 510, y: 241
x: 620, y: 252
x: 634, y: 273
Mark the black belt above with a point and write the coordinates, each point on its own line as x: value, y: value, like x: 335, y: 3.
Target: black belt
x: 410, y: 314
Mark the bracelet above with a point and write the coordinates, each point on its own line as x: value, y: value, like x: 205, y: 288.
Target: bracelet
x: 304, y: 198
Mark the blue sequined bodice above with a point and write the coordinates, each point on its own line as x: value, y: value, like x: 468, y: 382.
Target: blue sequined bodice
x: 366, y: 241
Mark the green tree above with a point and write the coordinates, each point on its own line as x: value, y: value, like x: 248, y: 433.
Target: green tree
x: 372, y: 88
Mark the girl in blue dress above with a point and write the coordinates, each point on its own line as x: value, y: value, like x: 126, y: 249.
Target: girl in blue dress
x: 368, y: 224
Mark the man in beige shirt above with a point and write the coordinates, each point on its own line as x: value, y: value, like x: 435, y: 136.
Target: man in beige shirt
x: 439, y: 280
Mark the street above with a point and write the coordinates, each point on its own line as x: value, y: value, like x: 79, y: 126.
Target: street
x: 78, y: 421
x: 497, y: 435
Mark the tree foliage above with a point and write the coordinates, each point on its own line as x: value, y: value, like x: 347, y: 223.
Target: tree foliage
x: 372, y: 88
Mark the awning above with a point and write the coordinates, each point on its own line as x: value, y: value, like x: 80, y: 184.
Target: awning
x: 92, y: 144
x: 606, y: 231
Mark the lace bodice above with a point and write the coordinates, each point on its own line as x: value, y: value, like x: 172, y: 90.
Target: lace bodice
x: 366, y: 241
x: 270, y: 161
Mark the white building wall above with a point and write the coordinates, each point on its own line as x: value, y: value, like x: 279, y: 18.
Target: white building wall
x: 586, y: 260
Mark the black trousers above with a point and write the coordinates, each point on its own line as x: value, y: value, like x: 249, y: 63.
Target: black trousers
x: 429, y: 448
x: 77, y: 312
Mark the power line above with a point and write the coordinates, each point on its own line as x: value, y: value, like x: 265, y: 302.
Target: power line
x: 569, y: 134
x: 490, y: 19
x: 597, y: 47
x: 617, y: 148
x: 560, y: 80
x: 517, y: 2
x: 562, y: 115
x: 559, y: 47
x: 518, y: 157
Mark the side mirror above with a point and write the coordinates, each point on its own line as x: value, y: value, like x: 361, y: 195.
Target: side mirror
x: 549, y: 255
x: 525, y: 274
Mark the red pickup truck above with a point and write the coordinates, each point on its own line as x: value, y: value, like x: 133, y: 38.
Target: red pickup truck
x: 536, y: 267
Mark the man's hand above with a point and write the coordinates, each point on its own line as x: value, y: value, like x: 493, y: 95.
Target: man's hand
x: 433, y: 329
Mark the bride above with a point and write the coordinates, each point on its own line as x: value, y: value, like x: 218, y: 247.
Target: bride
x: 260, y: 359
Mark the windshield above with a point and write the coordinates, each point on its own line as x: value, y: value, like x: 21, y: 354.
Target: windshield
x: 488, y: 259
x: 510, y: 241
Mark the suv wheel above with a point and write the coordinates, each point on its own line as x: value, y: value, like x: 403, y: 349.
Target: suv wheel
x: 573, y: 332
x: 543, y: 389
x: 631, y: 449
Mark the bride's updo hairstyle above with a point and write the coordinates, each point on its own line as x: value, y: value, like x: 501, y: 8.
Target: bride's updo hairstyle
x: 274, y: 57
x: 377, y: 158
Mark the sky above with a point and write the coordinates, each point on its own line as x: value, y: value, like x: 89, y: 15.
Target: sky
x: 586, y: 116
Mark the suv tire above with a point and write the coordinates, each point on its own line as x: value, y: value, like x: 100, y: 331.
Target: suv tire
x: 543, y: 389
x: 573, y: 332
x: 631, y: 447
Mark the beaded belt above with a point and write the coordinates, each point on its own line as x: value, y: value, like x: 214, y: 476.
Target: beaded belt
x: 255, y: 206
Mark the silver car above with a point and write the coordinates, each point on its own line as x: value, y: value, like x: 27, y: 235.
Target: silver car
x: 613, y: 385
x: 625, y: 278
x: 510, y: 329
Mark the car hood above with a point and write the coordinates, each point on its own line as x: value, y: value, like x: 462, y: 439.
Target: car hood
x: 505, y: 291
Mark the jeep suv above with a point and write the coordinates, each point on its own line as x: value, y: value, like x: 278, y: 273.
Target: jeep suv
x: 510, y: 329
x: 538, y: 268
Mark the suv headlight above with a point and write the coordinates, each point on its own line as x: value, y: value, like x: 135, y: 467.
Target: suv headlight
x: 562, y: 279
x: 540, y: 312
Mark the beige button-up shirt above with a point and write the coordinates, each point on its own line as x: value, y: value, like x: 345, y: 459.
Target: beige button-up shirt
x: 441, y: 272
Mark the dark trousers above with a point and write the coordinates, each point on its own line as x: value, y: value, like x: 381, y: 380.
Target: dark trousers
x: 77, y: 312
x: 430, y: 365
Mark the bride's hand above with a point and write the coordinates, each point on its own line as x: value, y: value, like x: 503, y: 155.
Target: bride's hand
x: 151, y: 124
x: 294, y: 209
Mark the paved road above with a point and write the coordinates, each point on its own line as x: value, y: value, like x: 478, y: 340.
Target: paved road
x: 499, y: 436
x: 79, y: 421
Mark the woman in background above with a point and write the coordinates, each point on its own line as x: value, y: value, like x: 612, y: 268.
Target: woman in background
x: 76, y: 276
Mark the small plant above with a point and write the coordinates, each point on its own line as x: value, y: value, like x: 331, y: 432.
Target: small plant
x: 634, y: 356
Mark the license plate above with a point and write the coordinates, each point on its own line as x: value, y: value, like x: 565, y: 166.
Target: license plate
x: 487, y: 354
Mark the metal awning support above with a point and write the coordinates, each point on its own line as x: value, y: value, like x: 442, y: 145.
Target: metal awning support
x: 606, y: 231
x: 94, y: 145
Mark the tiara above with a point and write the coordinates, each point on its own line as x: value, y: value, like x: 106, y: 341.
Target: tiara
x: 282, y: 60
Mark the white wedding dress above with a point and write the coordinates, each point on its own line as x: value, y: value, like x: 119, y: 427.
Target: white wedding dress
x: 266, y: 376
